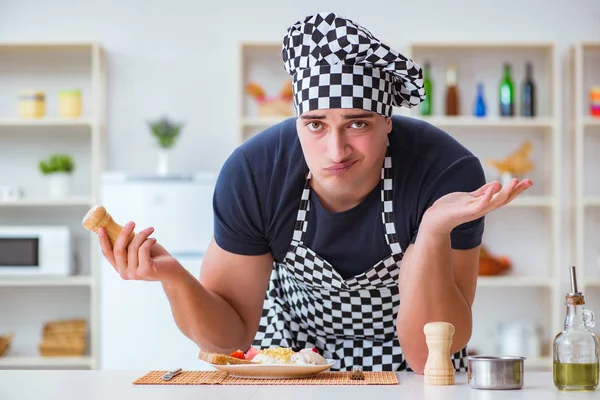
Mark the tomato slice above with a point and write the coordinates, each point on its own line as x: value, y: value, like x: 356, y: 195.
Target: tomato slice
x: 251, y: 353
x: 238, y: 354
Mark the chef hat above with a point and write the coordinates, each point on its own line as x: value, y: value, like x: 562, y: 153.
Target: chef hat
x: 336, y: 63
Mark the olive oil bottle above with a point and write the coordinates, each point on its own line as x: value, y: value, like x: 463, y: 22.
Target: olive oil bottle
x: 576, y: 351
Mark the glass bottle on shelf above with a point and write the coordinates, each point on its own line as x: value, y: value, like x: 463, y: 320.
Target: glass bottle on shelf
x: 575, y: 350
x: 427, y: 104
x: 507, y: 94
x: 452, y: 108
x: 528, y: 93
x: 480, y: 109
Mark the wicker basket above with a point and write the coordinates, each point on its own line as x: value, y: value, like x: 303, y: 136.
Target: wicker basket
x: 62, y: 347
x: 69, y: 327
x: 63, y: 338
x: 5, y: 342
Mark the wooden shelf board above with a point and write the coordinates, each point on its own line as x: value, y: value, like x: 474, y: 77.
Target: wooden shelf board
x: 591, y: 201
x: 45, y: 122
x: 33, y: 361
x: 489, y: 122
x: 590, y: 45
x: 47, y: 45
x: 476, y: 45
x: 48, y: 202
x: 460, y: 121
x: 591, y: 121
x: 531, y: 201
x: 271, y: 45
x: 33, y: 280
x: 513, y: 281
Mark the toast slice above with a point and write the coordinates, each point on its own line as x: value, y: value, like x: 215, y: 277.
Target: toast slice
x: 221, y: 359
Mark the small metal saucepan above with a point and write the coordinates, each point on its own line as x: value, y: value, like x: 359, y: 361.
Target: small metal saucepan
x: 497, y: 373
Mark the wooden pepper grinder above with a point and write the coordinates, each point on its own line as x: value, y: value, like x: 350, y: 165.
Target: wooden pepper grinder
x: 98, y: 217
x: 439, y: 369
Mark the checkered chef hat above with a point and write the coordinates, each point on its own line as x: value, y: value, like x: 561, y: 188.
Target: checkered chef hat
x: 336, y: 63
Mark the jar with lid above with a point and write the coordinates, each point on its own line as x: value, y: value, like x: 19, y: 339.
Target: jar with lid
x: 32, y: 104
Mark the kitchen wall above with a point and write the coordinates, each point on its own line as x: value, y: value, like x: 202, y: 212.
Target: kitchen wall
x: 179, y: 57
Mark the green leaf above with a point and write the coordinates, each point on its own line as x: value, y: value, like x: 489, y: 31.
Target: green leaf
x: 166, y: 131
x: 57, y: 163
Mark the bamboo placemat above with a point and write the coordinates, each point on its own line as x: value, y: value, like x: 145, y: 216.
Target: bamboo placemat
x: 222, y: 378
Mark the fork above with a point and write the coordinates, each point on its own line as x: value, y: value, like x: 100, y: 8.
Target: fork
x: 357, y: 373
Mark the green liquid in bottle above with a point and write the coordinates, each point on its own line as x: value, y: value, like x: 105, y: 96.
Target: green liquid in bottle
x: 575, y: 376
x: 427, y: 104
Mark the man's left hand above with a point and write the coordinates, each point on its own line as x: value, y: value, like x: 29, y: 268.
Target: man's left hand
x: 458, y: 208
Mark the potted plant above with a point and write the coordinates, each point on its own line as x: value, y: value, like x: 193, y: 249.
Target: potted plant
x: 166, y: 131
x: 58, y: 168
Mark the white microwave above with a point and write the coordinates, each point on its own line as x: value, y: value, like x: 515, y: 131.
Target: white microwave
x: 35, y: 250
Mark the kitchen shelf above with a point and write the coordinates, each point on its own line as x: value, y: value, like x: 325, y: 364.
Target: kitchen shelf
x: 442, y: 122
x: 531, y: 201
x: 28, y: 281
x: 591, y: 201
x: 514, y: 281
x: 49, y: 45
x: 46, y: 122
x: 482, y: 62
x: 591, y: 122
x: 479, y: 46
x: 48, y: 202
x: 49, y: 362
x: 54, y: 66
x: 584, y: 72
x: 489, y: 122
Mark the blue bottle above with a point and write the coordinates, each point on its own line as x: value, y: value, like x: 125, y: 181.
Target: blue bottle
x: 480, y: 109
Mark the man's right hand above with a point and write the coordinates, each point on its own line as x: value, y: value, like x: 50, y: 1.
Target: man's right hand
x: 142, y: 258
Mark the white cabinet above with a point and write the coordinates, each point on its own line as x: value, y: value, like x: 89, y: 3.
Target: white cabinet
x: 137, y: 328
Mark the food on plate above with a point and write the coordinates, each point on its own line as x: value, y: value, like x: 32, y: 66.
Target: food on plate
x: 285, y: 355
x: 221, y: 359
x: 238, y: 354
x: 252, y: 351
x: 272, y: 356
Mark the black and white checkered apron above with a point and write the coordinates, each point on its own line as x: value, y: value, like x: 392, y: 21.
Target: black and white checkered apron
x: 308, y: 304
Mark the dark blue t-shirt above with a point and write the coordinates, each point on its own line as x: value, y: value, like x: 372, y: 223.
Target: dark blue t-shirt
x: 258, y: 191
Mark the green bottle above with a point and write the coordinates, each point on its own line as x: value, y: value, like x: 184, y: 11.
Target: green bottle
x: 507, y: 94
x: 427, y: 104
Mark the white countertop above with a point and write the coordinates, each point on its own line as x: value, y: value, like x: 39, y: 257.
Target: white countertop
x: 113, y: 385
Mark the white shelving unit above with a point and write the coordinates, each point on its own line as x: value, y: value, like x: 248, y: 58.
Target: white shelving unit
x: 535, y: 279
x: 585, y: 135
x: 261, y: 63
x: 493, y: 136
x: 51, y: 67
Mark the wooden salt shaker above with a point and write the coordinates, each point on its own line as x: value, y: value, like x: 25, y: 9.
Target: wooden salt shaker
x: 98, y: 217
x: 439, y: 369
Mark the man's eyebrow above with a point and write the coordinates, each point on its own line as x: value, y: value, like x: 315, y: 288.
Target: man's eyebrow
x: 347, y: 116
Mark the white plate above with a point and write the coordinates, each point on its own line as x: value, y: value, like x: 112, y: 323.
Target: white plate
x: 281, y: 371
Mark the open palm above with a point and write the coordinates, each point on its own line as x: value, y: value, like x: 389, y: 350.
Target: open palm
x: 458, y: 208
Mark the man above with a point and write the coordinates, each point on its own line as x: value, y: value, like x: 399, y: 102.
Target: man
x: 345, y: 229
